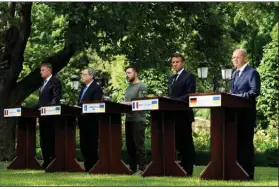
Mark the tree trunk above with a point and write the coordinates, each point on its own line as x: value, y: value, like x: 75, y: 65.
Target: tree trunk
x: 7, y: 140
x: 14, y: 93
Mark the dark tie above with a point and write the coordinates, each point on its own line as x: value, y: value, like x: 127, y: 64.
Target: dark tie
x: 236, y: 75
x: 174, y: 78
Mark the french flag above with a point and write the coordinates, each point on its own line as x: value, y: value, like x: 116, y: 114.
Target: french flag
x: 135, y: 105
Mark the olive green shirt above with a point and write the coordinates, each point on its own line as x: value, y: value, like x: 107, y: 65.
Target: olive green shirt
x: 137, y: 90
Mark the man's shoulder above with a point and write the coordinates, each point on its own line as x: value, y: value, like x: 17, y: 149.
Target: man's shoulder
x: 187, y: 74
x: 54, y: 79
x: 251, y: 69
x: 141, y: 84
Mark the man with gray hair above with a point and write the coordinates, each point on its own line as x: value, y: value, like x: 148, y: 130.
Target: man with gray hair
x: 246, y: 83
x: 88, y: 125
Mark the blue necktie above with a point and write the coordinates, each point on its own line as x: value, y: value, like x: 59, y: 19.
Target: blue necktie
x: 43, y: 85
x: 83, y: 92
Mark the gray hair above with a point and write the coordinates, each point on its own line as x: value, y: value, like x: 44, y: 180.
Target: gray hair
x: 92, y: 72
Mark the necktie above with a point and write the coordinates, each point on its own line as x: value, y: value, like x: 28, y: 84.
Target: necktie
x: 174, y: 78
x: 45, y: 81
x: 83, y: 92
x: 236, y: 76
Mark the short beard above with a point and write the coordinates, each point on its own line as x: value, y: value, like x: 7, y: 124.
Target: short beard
x: 132, y: 80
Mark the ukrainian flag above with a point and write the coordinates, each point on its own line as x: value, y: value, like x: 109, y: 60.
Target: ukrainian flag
x: 57, y: 109
x: 154, y: 104
x: 18, y: 111
x: 216, y: 100
x: 102, y: 107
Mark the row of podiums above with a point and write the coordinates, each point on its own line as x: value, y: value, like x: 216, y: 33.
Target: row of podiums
x: 222, y: 166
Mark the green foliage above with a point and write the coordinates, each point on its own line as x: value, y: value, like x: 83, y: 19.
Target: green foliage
x: 202, y: 140
x: 266, y: 139
x: 267, y: 104
x: 202, y: 112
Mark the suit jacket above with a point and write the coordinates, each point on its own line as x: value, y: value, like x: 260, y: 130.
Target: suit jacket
x: 248, y: 86
x: 51, y: 93
x: 94, y: 92
x: 179, y: 90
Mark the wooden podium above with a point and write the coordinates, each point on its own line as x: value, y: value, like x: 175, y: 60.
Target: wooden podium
x: 223, y: 134
x: 26, y: 137
x: 65, y: 137
x: 109, y: 136
x: 163, y: 149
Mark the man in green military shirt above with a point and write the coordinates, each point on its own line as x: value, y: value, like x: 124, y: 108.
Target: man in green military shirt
x: 135, y: 122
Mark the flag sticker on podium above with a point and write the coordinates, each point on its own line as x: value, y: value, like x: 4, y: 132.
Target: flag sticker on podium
x: 84, y: 108
x: 193, y: 101
x: 6, y: 112
x: 57, y: 109
x: 135, y: 105
x: 12, y: 112
x: 154, y: 104
x: 18, y: 111
x: 216, y: 100
x: 43, y: 110
x: 102, y: 107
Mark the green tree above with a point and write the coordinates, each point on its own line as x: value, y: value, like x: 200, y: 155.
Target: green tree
x: 267, y: 105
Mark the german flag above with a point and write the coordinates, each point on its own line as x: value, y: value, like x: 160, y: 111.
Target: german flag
x: 193, y: 101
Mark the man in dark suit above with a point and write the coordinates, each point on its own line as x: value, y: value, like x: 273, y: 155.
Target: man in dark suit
x: 245, y: 83
x: 89, y: 125
x: 179, y: 86
x: 49, y: 94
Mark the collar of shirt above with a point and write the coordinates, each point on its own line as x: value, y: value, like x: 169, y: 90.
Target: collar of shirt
x: 47, y: 79
x: 89, y: 84
x: 241, y: 69
x: 178, y: 73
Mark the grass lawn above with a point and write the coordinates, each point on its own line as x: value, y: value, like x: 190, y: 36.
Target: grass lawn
x: 264, y: 176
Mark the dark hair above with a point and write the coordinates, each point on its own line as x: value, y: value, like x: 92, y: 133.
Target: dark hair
x: 178, y: 55
x: 132, y: 67
x: 46, y: 65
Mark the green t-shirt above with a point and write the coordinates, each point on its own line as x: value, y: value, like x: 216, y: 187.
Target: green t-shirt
x: 137, y: 90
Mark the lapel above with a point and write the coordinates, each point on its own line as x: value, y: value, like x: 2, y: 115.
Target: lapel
x: 87, y: 91
x: 238, y: 82
x: 48, y: 83
x: 180, y: 76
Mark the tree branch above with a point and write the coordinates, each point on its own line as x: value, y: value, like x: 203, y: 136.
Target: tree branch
x: 11, y: 15
x: 24, y: 33
x: 33, y: 80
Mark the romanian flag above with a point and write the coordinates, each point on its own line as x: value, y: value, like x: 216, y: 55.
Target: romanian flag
x: 102, y: 107
x: 154, y: 104
x: 135, y: 105
x: 193, y: 101
x: 216, y: 100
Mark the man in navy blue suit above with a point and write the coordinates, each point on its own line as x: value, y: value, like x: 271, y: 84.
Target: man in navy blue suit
x: 89, y: 125
x: 179, y: 86
x: 49, y: 94
x: 246, y: 84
